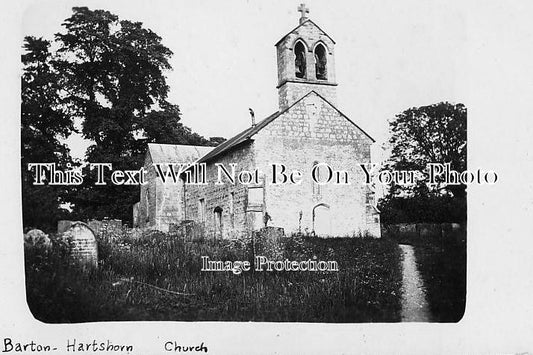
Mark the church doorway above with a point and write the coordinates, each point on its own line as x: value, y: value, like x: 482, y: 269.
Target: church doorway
x: 322, y: 220
x: 218, y: 222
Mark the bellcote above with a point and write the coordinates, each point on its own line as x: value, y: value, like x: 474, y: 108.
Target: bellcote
x: 306, y: 62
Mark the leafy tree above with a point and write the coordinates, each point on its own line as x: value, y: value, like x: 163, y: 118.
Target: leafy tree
x: 113, y: 73
x: 216, y: 140
x: 164, y: 126
x: 419, y: 136
x: 113, y: 78
x: 429, y: 134
x: 423, y: 209
x: 44, y: 121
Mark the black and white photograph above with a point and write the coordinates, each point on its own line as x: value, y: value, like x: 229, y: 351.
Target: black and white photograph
x: 302, y: 168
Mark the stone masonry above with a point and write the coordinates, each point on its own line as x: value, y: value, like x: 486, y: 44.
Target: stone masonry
x: 314, y: 131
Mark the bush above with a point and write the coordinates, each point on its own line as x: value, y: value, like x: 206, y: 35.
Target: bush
x: 422, y: 209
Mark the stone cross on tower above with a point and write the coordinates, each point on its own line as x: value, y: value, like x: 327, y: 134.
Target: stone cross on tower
x: 304, y: 10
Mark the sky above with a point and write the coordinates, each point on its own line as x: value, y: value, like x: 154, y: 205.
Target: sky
x: 389, y: 56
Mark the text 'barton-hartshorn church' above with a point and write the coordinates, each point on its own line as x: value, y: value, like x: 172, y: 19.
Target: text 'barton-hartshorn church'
x: 307, y: 129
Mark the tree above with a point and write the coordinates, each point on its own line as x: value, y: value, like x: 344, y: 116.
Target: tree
x: 164, y: 126
x: 114, y: 80
x: 44, y: 121
x: 113, y: 74
x: 423, y: 135
x: 429, y: 134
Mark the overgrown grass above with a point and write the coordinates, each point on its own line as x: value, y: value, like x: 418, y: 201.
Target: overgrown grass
x: 366, y: 289
x: 442, y: 264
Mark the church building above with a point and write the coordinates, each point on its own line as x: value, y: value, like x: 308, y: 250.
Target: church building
x: 306, y: 130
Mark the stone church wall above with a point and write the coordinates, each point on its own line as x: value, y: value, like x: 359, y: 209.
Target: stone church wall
x: 291, y: 92
x: 160, y: 204
x: 313, y: 131
x: 233, y: 220
x: 147, y: 202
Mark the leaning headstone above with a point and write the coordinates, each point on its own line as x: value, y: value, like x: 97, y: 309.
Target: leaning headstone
x: 37, y: 238
x: 82, y: 243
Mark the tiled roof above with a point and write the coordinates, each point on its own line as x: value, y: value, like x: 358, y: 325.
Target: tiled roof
x: 176, y: 153
x: 239, y: 138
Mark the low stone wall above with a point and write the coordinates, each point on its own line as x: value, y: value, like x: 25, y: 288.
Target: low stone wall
x: 107, y: 225
x: 422, y: 230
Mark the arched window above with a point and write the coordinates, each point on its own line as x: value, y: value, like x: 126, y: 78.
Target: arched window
x: 321, y: 62
x: 299, y: 61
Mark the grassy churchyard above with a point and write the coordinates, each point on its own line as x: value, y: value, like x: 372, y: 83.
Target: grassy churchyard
x: 157, y: 276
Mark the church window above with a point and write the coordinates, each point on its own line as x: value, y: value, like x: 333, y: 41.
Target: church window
x: 320, y: 62
x: 299, y: 61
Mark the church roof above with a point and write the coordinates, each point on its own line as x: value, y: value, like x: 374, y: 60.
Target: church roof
x: 297, y: 27
x: 251, y: 131
x: 176, y: 153
x: 239, y: 138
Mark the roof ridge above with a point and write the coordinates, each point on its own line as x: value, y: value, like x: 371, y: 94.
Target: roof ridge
x: 181, y: 145
x: 163, y: 152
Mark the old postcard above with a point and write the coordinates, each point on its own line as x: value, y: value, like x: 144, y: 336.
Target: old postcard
x: 286, y: 168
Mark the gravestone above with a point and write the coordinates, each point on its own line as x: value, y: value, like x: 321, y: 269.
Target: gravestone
x: 82, y: 244
x: 37, y: 238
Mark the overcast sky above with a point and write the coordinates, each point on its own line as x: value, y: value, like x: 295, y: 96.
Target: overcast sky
x: 389, y: 56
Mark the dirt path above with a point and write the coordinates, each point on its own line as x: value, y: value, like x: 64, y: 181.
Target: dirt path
x: 414, y: 304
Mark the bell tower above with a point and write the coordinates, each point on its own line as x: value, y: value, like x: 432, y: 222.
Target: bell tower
x: 306, y: 62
